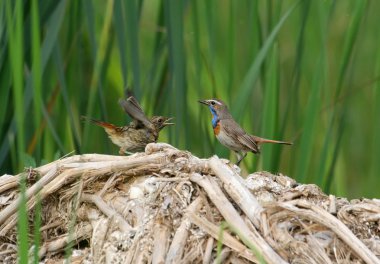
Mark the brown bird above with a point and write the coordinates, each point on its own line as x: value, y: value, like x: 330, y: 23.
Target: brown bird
x: 230, y: 134
x: 140, y: 132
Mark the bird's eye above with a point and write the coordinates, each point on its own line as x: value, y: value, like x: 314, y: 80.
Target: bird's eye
x: 160, y: 120
x: 213, y: 102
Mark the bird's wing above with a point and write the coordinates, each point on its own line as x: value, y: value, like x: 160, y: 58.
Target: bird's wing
x: 134, y: 110
x: 132, y: 100
x: 234, y: 130
x: 249, y: 142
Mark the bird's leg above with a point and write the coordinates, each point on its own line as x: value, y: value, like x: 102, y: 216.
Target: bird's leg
x: 240, y: 157
x: 122, y: 151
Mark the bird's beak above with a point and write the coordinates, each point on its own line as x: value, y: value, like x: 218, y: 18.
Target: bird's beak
x: 205, y: 102
x: 167, y: 123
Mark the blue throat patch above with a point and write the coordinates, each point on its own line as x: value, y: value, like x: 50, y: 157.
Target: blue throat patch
x: 215, y: 118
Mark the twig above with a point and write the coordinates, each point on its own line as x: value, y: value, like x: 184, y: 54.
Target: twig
x: 208, y: 250
x: 233, y: 218
x: 174, y: 179
x: 51, y: 225
x: 138, y: 257
x: 109, y: 183
x: 108, y: 211
x: 99, y: 236
x: 228, y: 240
x: 12, y: 207
x: 161, y: 240
x: 179, y: 240
x: 101, y: 168
x: 321, y: 216
x: 158, y: 147
x: 235, y: 187
x: 8, y: 182
x: 191, y: 255
x: 298, y: 231
x: 58, y: 244
x: 332, y: 206
x: 223, y: 256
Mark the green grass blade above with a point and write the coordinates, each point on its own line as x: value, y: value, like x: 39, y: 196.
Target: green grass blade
x: 3, y: 33
x: 5, y: 84
x: 270, y: 112
x: 37, y: 94
x: 190, y: 50
x: 177, y: 99
x: 209, y: 14
x: 351, y: 38
x: 97, y: 68
x: 306, y: 143
x: 250, y: 78
x: 90, y: 16
x: 293, y: 101
x: 37, y: 226
x: 51, y: 35
x: 48, y: 43
x: 90, y: 19
x: 375, y: 152
x: 103, y: 75
x: 119, y: 22
x: 15, y: 33
x: 202, y: 118
x: 219, y: 244
x: 22, y: 223
x: 334, y: 142
x: 324, y: 13
x: 245, y: 240
x: 37, y: 74
x: 157, y: 74
x: 65, y: 95
x: 6, y: 154
x: 131, y: 13
x: 53, y: 129
x: 232, y: 46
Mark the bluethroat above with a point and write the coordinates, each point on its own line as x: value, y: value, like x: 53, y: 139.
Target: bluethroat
x: 230, y: 134
x: 140, y: 132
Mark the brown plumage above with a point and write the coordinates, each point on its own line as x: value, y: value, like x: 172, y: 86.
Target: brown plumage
x: 140, y: 132
x: 231, y: 134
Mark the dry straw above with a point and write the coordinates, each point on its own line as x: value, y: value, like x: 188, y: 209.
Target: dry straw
x: 168, y: 206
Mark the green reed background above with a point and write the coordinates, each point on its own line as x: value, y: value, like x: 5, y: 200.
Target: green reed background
x: 304, y: 71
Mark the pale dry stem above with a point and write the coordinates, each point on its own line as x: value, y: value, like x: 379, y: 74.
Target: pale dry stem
x: 167, y: 206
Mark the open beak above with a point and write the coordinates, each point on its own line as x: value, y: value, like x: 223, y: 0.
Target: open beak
x: 167, y: 123
x: 205, y: 102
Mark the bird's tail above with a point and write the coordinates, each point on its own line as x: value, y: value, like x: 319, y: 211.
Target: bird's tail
x: 99, y: 123
x: 264, y: 140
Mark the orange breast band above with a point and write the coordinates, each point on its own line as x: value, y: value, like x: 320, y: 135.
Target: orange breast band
x: 217, y: 129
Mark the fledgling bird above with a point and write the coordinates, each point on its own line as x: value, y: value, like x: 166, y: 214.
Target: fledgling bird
x: 230, y: 134
x: 140, y: 132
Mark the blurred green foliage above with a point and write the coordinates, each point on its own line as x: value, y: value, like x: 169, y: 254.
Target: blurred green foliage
x: 304, y: 71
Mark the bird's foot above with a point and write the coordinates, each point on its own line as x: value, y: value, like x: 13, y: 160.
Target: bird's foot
x: 240, y: 158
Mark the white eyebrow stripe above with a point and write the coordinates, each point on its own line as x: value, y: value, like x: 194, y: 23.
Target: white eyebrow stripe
x: 219, y: 103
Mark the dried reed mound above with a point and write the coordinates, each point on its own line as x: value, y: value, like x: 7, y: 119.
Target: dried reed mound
x: 168, y: 206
